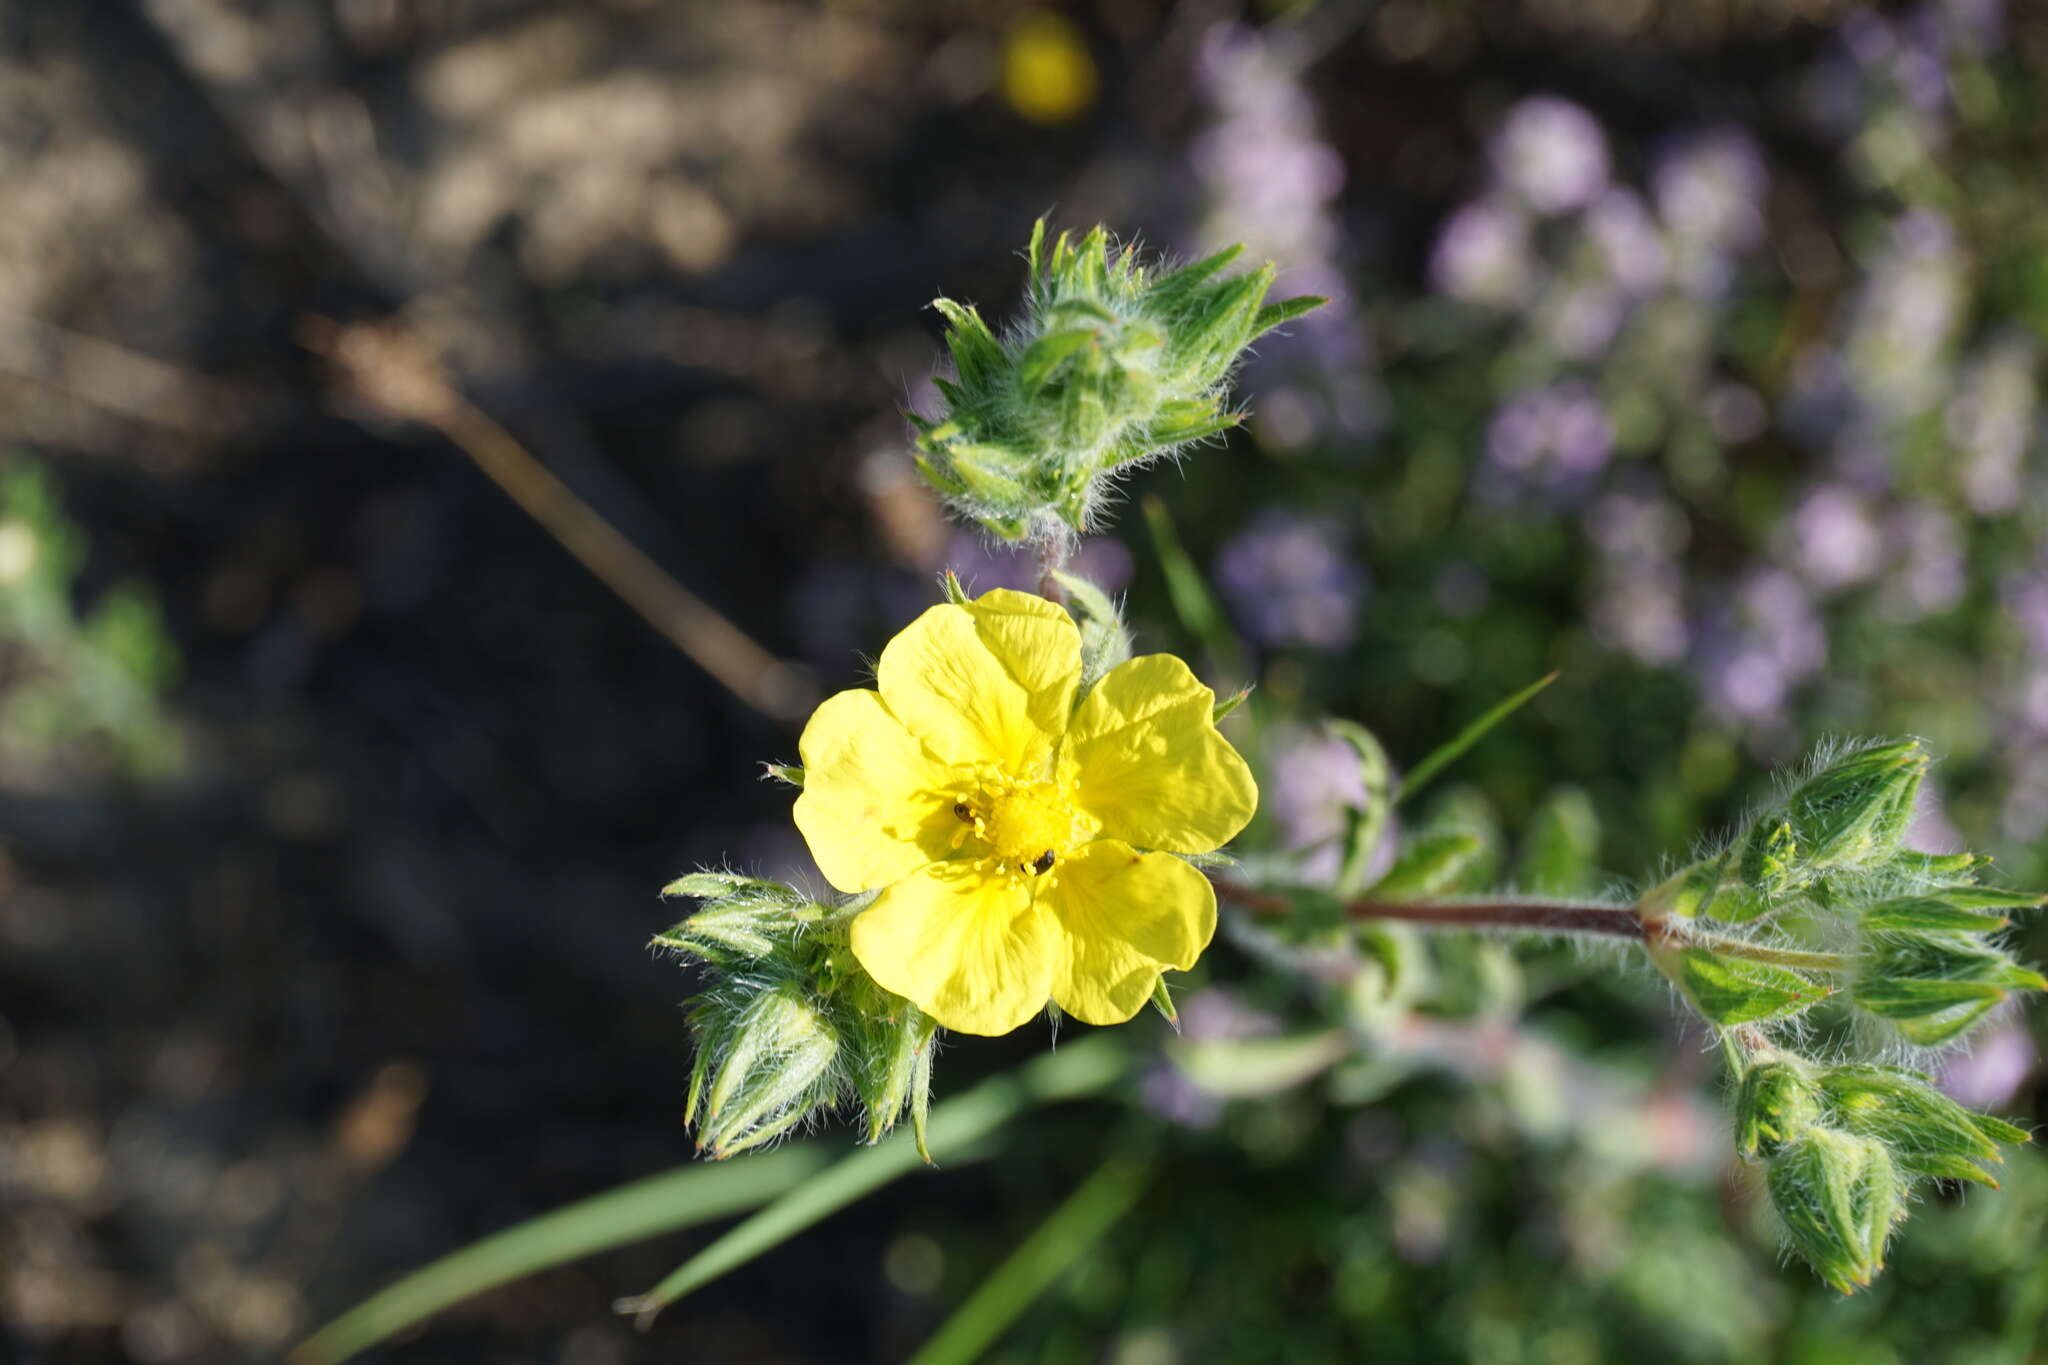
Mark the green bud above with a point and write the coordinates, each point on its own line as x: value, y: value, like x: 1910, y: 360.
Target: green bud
x: 1853, y: 813
x: 1927, y: 1132
x: 1113, y: 364
x: 1770, y: 862
x: 1933, y: 987
x: 1838, y: 1195
x: 763, y: 1068
x: 741, y: 917
x: 893, y: 1036
x: 1777, y: 1104
x: 1686, y: 894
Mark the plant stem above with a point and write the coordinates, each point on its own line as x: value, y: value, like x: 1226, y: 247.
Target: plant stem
x: 1542, y: 917
x: 1052, y: 557
x: 1546, y: 917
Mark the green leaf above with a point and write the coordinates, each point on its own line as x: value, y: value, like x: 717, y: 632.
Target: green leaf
x: 976, y: 354
x: 1920, y: 912
x: 1987, y: 898
x: 1916, y: 997
x: 1444, y: 755
x: 1734, y: 991
x: 1044, y: 356
x: 1935, y: 1030
x: 668, y: 1202
x: 1230, y: 703
x: 1190, y: 596
x: 1068, y: 1233
x: 1077, y: 1069
x: 1430, y: 863
x: 1188, y: 278
x: 1275, y: 314
x: 1366, y: 825
x: 1561, y: 850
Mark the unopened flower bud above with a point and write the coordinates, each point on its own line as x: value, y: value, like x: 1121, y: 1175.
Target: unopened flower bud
x: 1114, y: 363
x: 1853, y: 813
x: 1932, y: 987
x: 1777, y: 1104
x: 763, y: 1068
x: 1839, y: 1195
x: 1928, y: 1133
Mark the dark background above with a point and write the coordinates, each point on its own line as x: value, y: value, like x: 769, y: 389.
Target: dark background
x: 355, y: 974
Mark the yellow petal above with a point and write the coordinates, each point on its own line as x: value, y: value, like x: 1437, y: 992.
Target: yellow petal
x: 1125, y: 916
x: 988, y: 682
x: 970, y: 950
x: 876, y: 805
x: 1145, y: 760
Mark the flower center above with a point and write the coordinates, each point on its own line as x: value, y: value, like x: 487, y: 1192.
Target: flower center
x: 1028, y: 825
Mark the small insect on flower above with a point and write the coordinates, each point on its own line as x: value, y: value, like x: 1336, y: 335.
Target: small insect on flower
x: 1003, y: 824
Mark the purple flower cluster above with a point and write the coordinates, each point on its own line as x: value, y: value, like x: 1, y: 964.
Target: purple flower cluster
x: 1290, y: 581
x: 1273, y: 185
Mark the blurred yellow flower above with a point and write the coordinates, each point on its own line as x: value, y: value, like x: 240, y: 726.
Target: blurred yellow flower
x: 1048, y: 76
x: 1003, y: 823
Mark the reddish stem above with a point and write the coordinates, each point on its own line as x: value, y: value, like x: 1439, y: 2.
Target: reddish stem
x: 1541, y: 916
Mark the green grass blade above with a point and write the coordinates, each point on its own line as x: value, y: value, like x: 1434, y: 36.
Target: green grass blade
x: 1192, y: 601
x: 1446, y: 754
x: 1038, y: 1262
x: 646, y: 1208
x: 1079, y: 1068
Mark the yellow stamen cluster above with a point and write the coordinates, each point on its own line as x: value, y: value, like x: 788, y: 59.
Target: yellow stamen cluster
x: 1028, y: 824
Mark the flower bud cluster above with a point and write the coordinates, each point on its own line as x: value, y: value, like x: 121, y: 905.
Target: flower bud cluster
x: 789, y: 1027
x: 1115, y: 362
x: 1828, y: 859
x: 1844, y: 1146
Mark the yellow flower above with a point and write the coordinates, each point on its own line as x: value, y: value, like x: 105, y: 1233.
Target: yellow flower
x: 1003, y: 823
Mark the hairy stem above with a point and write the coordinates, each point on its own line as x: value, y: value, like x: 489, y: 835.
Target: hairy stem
x: 1543, y: 917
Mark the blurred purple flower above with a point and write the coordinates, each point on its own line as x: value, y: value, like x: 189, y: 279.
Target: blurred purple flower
x: 1902, y: 322
x: 1929, y: 574
x: 1629, y: 241
x: 2000, y: 1060
x: 1832, y: 539
x: 1289, y: 581
x: 1995, y: 421
x: 1552, y: 441
x: 1759, y: 645
x: 1638, y: 603
x: 983, y: 564
x: 1212, y: 1014
x: 1483, y: 254
x: 1273, y: 185
x: 1552, y: 153
x: 1310, y: 780
x: 1709, y: 188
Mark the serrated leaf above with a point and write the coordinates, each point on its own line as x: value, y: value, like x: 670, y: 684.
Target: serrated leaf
x: 1735, y: 991
x: 1429, y: 864
x: 1917, y: 913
